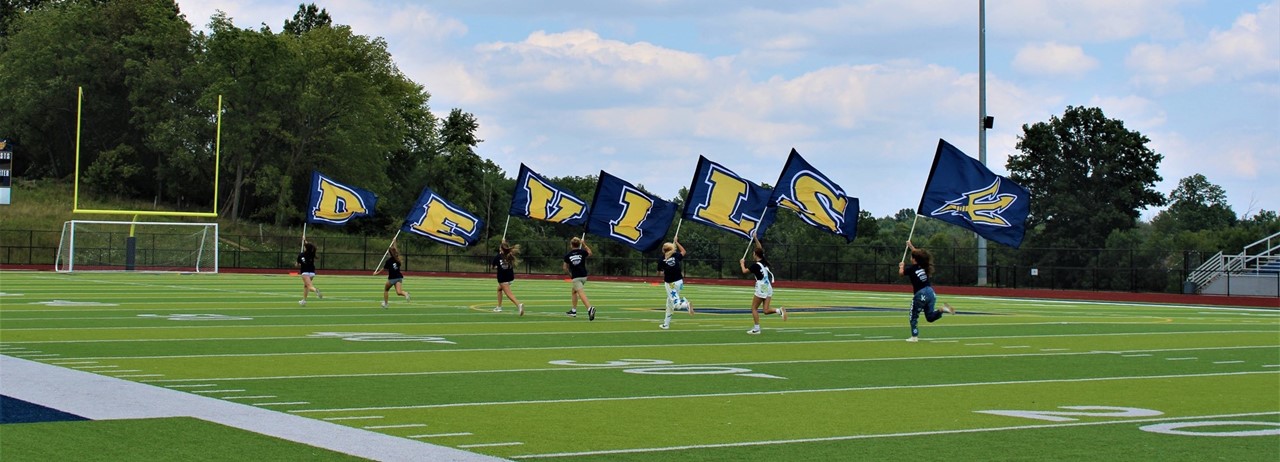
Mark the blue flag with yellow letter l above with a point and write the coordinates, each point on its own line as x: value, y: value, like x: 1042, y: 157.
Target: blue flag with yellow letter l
x: 538, y: 199
x: 622, y: 212
x: 963, y: 192
x: 437, y: 219
x: 818, y: 201
x: 723, y: 200
x: 333, y: 203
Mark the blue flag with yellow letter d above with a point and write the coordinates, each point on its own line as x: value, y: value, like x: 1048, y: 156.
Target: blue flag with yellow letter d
x: 721, y: 199
x: 963, y: 192
x: 539, y: 199
x: 437, y: 219
x: 334, y: 203
x: 818, y: 201
x: 623, y: 212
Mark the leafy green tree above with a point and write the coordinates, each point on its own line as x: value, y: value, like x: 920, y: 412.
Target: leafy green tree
x: 244, y: 66
x: 307, y: 18
x: 129, y: 56
x: 1194, y: 205
x: 1088, y: 175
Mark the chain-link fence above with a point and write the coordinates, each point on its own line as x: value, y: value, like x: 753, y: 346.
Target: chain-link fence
x: 1081, y: 269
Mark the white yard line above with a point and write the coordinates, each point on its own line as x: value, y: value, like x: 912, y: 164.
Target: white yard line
x: 714, y: 364
x: 779, y: 392
x: 105, y: 398
x: 884, y: 435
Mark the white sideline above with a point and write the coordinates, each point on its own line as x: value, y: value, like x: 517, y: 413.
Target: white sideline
x: 99, y: 397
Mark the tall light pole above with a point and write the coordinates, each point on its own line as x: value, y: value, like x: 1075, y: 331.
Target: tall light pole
x: 982, y: 123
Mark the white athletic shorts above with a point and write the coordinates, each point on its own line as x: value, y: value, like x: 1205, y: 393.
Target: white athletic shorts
x: 764, y: 289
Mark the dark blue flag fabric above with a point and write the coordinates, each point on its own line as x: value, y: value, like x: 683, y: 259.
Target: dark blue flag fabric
x: 437, y: 219
x: 819, y: 201
x: 721, y: 199
x: 624, y: 213
x: 334, y: 203
x: 539, y: 199
x: 963, y: 192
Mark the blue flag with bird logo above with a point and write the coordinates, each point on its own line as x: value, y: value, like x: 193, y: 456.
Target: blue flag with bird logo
x: 963, y: 192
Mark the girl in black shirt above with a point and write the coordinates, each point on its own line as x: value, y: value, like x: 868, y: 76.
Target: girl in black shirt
x: 924, y: 298
x: 306, y: 264
x: 505, y: 262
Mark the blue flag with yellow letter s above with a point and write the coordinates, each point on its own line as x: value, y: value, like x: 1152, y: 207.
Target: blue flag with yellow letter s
x: 963, y: 192
x: 539, y: 199
x: 721, y: 199
x: 334, y: 203
x: 622, y: 212
x: 818, y: 201
x: 437, y: 219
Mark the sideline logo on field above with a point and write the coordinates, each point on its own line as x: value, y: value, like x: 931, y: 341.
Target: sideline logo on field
x: 382, y: 337
x: 71, y: 303
x: 196, y: 317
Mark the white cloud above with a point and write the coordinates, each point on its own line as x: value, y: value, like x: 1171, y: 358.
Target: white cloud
x: 1053, y: 59
x: 1250, y: 48
x: 582, y: 61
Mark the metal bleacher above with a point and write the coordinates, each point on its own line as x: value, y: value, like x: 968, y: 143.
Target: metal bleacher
x: 1255, y: 271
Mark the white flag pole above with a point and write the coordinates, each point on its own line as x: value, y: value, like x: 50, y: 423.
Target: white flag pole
x: 909, y: 236
x: 387, y: 252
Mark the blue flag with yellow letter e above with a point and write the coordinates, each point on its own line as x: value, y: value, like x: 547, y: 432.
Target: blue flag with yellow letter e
x: 963, y: 192
x: 818, y: 201
x: 334, y: 203
x: 723, y: 200
x: 622, y: 212
x: 437, y: 219
x: 539, y: 199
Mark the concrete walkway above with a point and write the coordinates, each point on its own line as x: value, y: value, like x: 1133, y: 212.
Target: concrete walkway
x: 99, y: 397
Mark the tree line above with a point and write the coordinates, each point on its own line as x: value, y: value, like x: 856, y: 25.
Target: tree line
x: 315, y: 95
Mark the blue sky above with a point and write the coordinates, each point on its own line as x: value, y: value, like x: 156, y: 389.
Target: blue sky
x: 862, y: 89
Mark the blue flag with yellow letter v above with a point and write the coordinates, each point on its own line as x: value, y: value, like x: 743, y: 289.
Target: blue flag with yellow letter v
x: 334, y: 203
x: 723, y: 200
x: 818, y: 201
x: 963, y: 192
x: 538, y: 199
x: 437, y: 219
x: 622, y: 212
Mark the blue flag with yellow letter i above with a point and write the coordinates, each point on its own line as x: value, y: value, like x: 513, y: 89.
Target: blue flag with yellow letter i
x: 333, y: 203
x: 622, y: 212
x: 818, y: 201
x: 437, y: 219
x: 721, y: 199
x: 963, y: 192
x: 538, y: 199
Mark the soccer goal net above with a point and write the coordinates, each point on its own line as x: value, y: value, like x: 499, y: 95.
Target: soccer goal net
x: 137, y: 246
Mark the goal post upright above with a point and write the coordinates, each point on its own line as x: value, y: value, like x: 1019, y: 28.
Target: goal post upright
x: 217, y: 161
x: 118, y: 245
